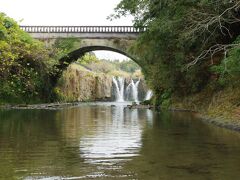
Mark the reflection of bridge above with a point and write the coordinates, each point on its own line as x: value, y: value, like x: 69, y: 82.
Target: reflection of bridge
x: 87, y: 38
x: 42, y: 32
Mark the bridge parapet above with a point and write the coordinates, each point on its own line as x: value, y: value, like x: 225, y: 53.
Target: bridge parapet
x: 83, y: 29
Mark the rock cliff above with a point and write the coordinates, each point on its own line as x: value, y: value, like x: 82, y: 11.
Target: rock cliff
x: 80, y: 84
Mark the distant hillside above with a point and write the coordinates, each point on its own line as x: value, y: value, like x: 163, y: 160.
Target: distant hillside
x: 127, y: 68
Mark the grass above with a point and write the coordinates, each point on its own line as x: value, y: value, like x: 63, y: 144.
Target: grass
x: 223, y: 106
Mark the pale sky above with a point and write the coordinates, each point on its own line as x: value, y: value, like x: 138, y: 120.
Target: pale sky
x: 65, y: 12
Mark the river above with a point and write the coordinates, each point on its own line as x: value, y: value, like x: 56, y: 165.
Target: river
x: 100, y: 141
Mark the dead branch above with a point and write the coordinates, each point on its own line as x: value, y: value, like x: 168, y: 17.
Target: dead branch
x: 215, y: 49
x: 201, y: 22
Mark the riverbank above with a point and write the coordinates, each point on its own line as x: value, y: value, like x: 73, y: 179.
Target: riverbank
x: 62, y: 105
x: 218, y: 107
x: 217, y: 120
x: 50, y: 106
x: 140, y: 106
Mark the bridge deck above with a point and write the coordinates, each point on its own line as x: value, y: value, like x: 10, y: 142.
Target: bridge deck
x: 83, y: 29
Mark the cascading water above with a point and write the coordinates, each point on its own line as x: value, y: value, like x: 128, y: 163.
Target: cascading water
x: 132, y: 91
x: 135, y: 90
x: 149, y: 95
x: 128, y: 91
x: 119, y: 90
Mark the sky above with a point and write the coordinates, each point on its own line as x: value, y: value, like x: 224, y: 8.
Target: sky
x: 65, y: 13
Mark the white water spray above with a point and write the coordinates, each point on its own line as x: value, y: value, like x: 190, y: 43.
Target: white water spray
x: 135, y: 90
x: 119, y: 91
x: 149, y: 95
x: 132, y: 91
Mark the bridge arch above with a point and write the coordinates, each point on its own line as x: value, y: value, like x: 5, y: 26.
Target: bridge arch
x: 76, y: 54
x: 73, y: 56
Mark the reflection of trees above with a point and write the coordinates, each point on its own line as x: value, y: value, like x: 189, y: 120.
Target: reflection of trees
x: 30, y: 143
x: 76, y: 122
x: 20, y: 137
x: 21, y: 128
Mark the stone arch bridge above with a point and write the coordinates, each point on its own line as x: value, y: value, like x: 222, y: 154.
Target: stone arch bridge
x: 113, y: 38
x: 89, y: 38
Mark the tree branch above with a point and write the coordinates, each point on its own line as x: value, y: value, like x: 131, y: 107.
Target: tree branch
x: 217, y: 48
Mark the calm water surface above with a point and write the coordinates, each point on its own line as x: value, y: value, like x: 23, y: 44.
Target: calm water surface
x: 98, y: 141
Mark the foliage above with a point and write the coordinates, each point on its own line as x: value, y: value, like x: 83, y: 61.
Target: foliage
x: 88, y: 58
x: 24, y: 65
x: 99, y: 66
x: 178, y: 32
x: 229, y: 68
x: 65, y: 46
x: 146, y: 102
x: 119, y: 73
x: 126, y: 65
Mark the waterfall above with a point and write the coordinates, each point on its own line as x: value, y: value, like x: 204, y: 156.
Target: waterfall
x: 132, y: 91
x: 135, y: 90
x: 149, y: 95
x: 129, y: 94
x: 119, y: 91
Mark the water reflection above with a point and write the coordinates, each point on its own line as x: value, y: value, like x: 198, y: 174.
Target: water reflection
x: 107, y: 136
x: 149, y: 115
x: 180, y: 146
x: 104, y: 142
x: 117, y: 139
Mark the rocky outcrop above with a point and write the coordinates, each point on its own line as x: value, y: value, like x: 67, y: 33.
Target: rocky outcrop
x: 79, y: 84
x: 103, y: 87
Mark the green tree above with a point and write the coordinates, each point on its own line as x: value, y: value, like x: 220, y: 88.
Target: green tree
x: 88, y: 58
x: 179, y: 34
x: 25, y: 65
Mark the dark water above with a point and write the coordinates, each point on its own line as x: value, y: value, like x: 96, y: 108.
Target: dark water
x: 104, y: 142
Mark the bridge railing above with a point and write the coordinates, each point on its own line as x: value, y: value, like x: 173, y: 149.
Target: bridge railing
x: 83, y: 29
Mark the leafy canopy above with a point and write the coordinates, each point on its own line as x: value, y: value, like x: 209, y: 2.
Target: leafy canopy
x: 177, y: 33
